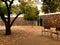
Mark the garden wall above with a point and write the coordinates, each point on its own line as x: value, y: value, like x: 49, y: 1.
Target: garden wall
x: 20, y: 22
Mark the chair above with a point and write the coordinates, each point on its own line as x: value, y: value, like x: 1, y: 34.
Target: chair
x: 46, y: 30
x: 53, y: 30
x: 56, y: 32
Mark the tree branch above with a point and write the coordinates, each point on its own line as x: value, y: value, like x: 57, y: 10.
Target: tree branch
x: 3, y: 18
x: 6, y: 4
x: 14, y: 19
x: 10, y: 4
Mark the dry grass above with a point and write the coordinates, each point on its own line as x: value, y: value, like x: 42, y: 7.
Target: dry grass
x: 26, y: 36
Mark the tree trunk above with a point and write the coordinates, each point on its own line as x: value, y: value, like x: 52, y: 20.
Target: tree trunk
x: 8, y: 30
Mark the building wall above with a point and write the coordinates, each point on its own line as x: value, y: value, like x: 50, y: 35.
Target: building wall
x: 52, y: 20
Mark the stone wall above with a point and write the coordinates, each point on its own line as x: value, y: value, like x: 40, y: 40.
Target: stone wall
x: 20, y: 22
x: 52, y: 20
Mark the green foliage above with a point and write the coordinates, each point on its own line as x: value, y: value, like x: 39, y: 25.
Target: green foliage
x: 3, y: 9
x: 50, y: 6
x: 22, y: 6
x: 58, y: 9
x: 31, y: 13
x: 0, y: 2
x: 18, y: 8
x: 15, y: 9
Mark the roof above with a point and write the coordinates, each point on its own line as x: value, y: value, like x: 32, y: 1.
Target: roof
x: 50, y: 13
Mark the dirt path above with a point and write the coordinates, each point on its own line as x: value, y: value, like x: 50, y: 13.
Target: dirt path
x: 24, y: 35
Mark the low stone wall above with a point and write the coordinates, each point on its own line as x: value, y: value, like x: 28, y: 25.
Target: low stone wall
x: 52, y: 20
x: 20, y: 22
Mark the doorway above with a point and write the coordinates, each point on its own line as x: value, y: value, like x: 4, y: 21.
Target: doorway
x: 40, y: 22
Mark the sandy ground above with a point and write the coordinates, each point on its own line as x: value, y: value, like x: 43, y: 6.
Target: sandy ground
x: 26, y: 35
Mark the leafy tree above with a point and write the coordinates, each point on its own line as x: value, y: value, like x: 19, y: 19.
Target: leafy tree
x: 6, y: 9
x: 58, y: 9
x: 50, y: 6
x: 15, y: 9
x: 0, y: 2
x: 31, y: 13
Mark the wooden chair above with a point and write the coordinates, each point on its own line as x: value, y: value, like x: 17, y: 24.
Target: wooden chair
x: 57, y: 32
x: 46, y: 30
x: 53, y: 30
